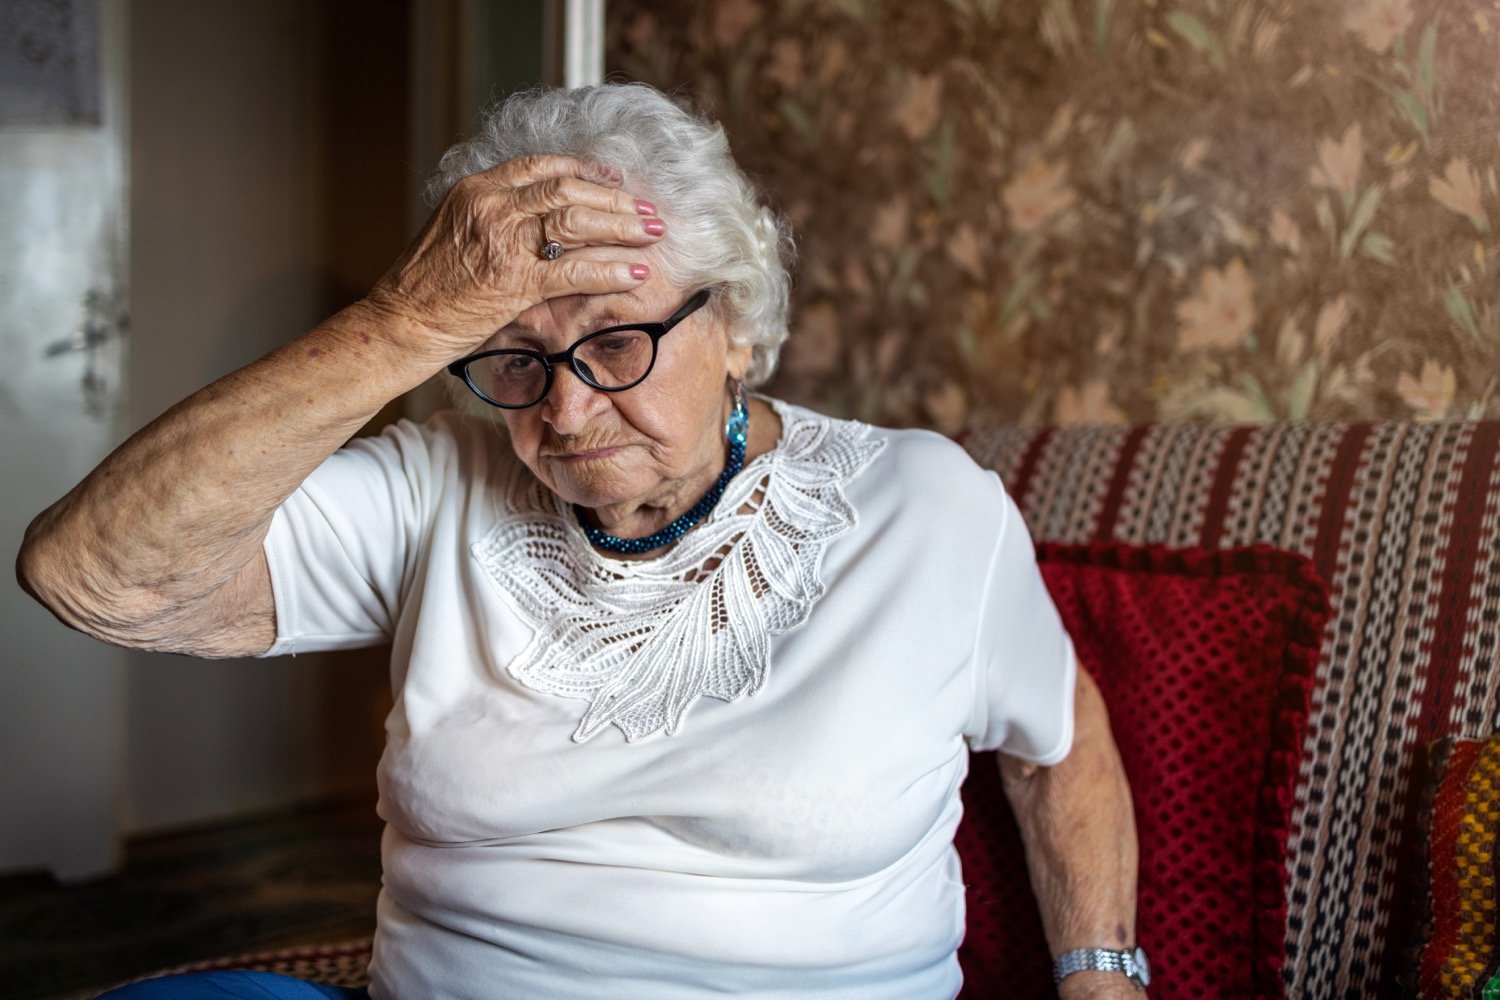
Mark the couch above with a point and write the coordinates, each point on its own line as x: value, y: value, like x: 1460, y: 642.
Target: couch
x: 1401, y: 522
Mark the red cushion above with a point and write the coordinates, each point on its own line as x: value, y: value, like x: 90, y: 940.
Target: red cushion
x: 1205, y: 659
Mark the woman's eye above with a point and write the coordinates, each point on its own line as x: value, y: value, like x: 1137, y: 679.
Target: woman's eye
x: 616, y: 344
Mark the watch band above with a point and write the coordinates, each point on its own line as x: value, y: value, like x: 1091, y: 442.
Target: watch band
x: 1132, y: 963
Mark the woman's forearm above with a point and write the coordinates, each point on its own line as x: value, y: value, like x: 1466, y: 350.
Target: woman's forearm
x: 1078, y: 824
x: 160, y: 546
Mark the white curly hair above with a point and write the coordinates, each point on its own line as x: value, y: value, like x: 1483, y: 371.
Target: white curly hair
x: 722, y: 236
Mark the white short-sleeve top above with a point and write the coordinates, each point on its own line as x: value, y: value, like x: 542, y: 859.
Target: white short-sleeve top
x: 733, y: 768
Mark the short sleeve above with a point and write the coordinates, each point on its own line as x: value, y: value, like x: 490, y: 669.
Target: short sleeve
x: 1024, y: 665
x: 340, y: 548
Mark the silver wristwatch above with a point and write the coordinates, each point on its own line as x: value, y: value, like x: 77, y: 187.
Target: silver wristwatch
x: 1132, y: 963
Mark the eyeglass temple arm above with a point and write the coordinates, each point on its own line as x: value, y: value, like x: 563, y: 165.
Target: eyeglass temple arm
x: 689, y: 307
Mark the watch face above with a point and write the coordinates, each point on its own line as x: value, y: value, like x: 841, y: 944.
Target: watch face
x: 1142, y: 967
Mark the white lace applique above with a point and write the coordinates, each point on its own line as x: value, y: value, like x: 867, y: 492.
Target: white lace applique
x: 641, y: 641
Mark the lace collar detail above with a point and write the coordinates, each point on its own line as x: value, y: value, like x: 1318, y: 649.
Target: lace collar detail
x: 642, y: 640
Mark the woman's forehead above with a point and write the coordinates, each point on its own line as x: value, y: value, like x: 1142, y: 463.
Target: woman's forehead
x: 575, y: 315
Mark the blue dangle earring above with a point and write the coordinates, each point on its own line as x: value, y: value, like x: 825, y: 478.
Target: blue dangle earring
x: 737, y: 427
x: 736, y: 435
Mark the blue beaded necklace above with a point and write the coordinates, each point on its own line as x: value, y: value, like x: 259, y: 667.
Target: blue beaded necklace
x: 736, y: 432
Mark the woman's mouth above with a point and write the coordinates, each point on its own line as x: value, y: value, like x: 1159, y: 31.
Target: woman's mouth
x: 582, y: 454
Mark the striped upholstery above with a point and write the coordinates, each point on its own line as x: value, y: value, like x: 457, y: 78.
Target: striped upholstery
x: 1403, y: 521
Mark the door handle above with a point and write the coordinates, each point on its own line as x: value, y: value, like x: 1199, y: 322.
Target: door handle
x: 104, y: 319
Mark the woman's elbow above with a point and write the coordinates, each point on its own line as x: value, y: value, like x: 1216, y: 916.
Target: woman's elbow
x: 58, y: 575
x: 38, y: 569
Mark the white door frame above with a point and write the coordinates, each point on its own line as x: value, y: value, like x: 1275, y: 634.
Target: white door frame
x: 583, y: 43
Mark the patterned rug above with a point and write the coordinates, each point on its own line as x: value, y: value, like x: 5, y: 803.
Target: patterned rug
x: 284, y: 882
x: 342, y: 964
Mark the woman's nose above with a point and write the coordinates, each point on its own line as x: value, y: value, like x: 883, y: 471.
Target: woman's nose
x: 572, y: 402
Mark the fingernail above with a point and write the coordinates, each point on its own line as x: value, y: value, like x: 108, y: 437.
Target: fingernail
x: 608, y: 173
x: 654, y: 226
x: 645, y: 208
x: 640, y: 272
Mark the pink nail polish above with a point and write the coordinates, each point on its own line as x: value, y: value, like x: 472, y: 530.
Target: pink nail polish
x: 655, y: 227
x: 645, y: 208
x: 640, y: 272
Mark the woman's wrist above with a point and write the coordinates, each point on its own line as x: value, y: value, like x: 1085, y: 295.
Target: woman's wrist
x: 1098, y: 986
x: 368, y: 354
x: 407, y: 334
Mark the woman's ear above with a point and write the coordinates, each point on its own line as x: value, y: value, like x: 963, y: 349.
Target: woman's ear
x: 737, y: 359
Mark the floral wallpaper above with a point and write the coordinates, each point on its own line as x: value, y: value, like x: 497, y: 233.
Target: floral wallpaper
x: 1105, y: 210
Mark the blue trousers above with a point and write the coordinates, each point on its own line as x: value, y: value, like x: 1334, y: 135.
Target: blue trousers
x: 235, y: 984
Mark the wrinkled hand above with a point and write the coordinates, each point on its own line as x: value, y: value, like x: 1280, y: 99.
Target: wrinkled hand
x: 477, y: 264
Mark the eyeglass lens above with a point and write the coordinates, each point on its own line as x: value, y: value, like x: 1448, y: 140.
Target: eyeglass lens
x: 609, y: 360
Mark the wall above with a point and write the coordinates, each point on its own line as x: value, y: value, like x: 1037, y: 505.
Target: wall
x: 268, y: 188
x: 1083, y: 210
x: 62, y: 244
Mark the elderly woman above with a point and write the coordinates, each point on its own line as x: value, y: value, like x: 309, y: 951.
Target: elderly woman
x: 685, y: 678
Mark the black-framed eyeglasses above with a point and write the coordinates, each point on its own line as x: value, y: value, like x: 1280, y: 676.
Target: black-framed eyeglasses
x: 611, y: 360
